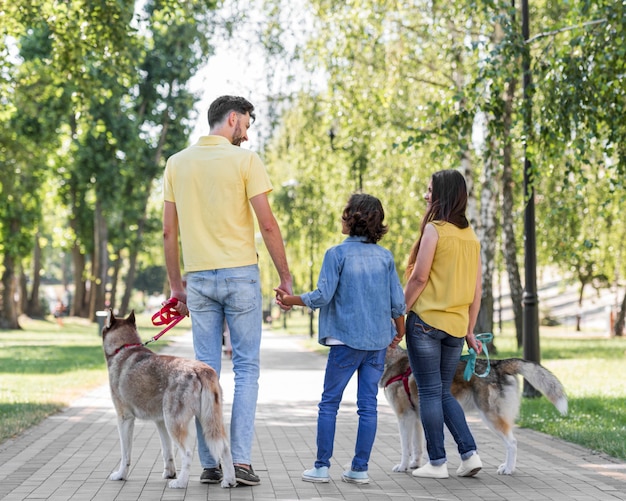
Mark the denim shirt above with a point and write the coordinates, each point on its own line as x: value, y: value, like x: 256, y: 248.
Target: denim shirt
x: 358, y: 293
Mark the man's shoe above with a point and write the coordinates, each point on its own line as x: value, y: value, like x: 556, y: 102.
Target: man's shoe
x: 470, y: 467
x: 355, y: 477
x: 431, y: 471
x: 246, y: 476
x: 211, y: 476
x: 318, y: 475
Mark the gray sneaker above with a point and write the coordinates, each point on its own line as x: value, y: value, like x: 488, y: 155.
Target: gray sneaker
x: 211, y: 476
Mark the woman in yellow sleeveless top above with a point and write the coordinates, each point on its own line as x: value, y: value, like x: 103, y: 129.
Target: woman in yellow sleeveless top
x: 443, y: 294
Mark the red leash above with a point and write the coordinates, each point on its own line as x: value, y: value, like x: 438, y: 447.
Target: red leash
x: 166, y: 316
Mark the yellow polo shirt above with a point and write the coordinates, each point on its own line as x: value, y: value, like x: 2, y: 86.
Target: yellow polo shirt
x: 444, y: 303
x: 211, y: 183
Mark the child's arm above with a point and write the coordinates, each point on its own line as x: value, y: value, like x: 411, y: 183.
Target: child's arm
x: 399, y: 331
x: 283, y: 298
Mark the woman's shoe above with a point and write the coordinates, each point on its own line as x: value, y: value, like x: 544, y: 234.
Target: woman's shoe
x: 431, y: 471
x: 470, y: 466
x: 318, y: 475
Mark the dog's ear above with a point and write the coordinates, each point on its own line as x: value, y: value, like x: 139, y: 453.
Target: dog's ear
x: 110, y: 318
x: 131, y: 317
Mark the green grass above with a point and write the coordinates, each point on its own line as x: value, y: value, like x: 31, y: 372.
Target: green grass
x: 44, y: 366
x: 592, y: 370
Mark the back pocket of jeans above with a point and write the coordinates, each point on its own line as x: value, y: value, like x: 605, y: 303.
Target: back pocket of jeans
x: 243, y: 293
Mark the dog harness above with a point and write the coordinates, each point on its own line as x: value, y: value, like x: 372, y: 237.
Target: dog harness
x: 405, y: 382
x: 470, y: 368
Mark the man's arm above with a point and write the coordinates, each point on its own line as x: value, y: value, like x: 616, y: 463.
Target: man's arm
x: 272, y: 238
x: 172, y: 255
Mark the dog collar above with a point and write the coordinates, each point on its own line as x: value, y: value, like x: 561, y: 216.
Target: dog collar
x: 126, y: 346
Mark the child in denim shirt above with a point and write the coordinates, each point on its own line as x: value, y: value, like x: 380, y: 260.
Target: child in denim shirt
x: 358, y: 292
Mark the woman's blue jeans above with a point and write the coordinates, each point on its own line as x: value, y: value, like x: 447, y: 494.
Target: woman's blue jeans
x: 234, y: 294
x: 343, y: 362
x: 434, y: 356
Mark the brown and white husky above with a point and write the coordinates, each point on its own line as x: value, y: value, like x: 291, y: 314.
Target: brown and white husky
x: 496, y: 397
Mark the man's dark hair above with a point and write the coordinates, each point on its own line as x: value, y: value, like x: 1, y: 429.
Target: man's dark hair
x: 223, y: 105
x: 364, y: 216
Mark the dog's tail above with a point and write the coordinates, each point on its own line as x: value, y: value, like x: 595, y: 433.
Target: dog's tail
x: 540, y: 378
x: 211, y: 416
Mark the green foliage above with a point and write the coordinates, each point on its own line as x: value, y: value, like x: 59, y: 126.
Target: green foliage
x: 151, y: 279
x: 97, y: 100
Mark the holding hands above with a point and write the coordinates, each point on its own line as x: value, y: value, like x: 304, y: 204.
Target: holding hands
x: 285, y: 300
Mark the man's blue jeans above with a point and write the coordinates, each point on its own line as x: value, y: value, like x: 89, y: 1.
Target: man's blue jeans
x: 234, y: 294
x: 343, y: 362
x: 434, y: 356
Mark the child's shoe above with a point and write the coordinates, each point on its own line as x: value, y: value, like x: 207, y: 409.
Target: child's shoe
x: 355, y: 477
x: 318, y: 475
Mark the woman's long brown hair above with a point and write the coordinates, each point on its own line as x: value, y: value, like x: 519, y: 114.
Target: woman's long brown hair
x: 448, y: 202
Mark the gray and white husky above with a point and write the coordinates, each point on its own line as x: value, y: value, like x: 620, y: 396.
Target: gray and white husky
x: 168, y: 390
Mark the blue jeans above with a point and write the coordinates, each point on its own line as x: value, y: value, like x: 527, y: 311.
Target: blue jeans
x: 434, y: 356
x: 343, y: 362
x: 234, y: 294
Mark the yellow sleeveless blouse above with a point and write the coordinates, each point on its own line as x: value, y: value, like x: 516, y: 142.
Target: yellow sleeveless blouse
x: 444, y: 302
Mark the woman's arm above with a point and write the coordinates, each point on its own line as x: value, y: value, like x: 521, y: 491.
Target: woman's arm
x: 423, y: 263
x: 474, y: 309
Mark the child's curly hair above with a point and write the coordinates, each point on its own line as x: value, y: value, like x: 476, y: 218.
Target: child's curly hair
x: 363, y: 216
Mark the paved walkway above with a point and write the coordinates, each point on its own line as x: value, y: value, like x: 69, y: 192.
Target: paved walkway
x: 71, y: 454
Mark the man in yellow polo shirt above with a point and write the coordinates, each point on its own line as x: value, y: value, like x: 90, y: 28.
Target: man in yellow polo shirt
x: 212, y: 191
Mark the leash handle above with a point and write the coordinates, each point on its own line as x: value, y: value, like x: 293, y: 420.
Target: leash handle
x: 167, y: 315
x: 470, y: 369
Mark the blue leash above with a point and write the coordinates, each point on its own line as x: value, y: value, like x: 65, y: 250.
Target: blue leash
x: 470, y: 369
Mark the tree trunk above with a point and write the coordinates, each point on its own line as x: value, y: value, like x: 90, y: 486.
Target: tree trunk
x: 621, y: 317
x: 132, y: 266
x: 99, y: 265
x: 80, y: 303
x: 488, y: 218
x: 130, y: 281
x: 508, y: 226
x: 8, y: 316
x: 33, y: 306
x: 114, y: 278
x: 580, y: 306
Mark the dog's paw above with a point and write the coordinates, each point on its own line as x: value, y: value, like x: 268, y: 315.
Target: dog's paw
x: 399, y: 467
x: 117, y: 475
x: 177, y: 483
x: 169, y: 474
x: 503, y: 469
x: 228, y: 482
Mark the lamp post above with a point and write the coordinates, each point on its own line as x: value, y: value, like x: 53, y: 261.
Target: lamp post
x: 311, y: 312
x: 529, y: 298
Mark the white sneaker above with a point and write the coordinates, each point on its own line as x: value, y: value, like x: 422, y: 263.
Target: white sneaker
x: 470, y: 467
x: 430, y: 471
